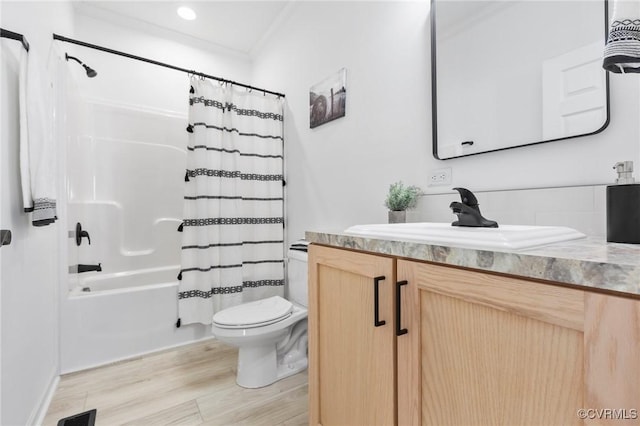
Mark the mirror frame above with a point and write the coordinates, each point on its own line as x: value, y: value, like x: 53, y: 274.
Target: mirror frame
x: 434, y: 98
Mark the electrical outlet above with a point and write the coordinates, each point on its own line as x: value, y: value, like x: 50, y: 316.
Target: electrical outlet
x: 440, y: 177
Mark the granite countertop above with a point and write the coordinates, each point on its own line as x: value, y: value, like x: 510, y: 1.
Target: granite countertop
x: 587, y: 262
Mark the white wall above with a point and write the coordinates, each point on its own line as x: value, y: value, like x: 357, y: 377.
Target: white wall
x: 126, y: 81
x: 338, y: 173
x: 29, y: 312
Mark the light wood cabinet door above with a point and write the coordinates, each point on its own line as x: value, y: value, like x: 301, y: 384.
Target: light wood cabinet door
x: 488, y: 349
x: 351, y: 353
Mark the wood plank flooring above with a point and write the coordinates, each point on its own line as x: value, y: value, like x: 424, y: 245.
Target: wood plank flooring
x: 190, y: 385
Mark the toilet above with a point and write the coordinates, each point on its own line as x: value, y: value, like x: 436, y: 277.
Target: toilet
x: 271, y: 333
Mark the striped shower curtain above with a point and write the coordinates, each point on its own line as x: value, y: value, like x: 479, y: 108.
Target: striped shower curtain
x: 233, y: 227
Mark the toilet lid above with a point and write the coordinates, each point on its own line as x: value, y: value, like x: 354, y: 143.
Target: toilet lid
x: 254, y: 314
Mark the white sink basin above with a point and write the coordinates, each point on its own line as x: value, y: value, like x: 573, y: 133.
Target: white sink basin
x: 509, y: 237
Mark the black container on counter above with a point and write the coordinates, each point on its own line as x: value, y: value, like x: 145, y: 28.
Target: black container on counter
x: 623, y: 206
x: 623, y: 213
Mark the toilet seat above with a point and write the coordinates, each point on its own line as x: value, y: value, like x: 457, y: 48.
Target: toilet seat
x: 254, y: 314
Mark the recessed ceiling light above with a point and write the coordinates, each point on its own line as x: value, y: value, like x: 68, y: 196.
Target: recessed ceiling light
x: 186, y: 13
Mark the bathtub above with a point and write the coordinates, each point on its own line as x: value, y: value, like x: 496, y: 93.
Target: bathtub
x: 124, y: 183
x: 111, y: 317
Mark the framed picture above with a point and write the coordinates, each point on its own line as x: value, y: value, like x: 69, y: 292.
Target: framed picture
x: 328, y: 99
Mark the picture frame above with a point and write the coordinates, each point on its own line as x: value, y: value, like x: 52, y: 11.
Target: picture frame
x: 328, y: 99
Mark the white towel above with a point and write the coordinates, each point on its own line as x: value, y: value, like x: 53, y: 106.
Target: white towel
x: 622, y: 51
x: 37, y: 152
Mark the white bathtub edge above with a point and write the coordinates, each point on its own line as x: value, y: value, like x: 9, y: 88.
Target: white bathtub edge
x: 77, y: 292
x: 137, y: 355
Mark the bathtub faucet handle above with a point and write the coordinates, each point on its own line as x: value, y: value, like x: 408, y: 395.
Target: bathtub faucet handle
x: 80, y: 234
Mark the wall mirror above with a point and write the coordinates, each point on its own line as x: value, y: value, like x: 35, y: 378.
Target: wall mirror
x: 512, y: 73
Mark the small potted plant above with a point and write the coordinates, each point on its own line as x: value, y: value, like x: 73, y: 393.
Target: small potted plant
x: 399, y: 199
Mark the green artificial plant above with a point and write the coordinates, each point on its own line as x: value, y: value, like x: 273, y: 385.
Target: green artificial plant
x: 401, y: 197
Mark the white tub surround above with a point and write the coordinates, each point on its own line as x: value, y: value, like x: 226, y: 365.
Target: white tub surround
x: 125, y: 165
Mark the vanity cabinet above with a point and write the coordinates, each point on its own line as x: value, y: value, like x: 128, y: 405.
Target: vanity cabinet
x: 486, y: 349
x: 351, y: 354
x: 479, y: 348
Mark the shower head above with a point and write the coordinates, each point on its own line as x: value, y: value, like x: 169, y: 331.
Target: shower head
x: 90, y: 71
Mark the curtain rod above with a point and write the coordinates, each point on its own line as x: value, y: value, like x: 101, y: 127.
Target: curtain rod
x: 151, y: 61
x: 15, y: 36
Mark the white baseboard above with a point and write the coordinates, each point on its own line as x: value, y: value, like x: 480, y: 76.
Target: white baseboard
x: 37, y: 416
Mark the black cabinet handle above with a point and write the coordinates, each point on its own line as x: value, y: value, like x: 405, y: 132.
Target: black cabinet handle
x: 376, y: 300
x: 5, y: 237
x: 399, y: 330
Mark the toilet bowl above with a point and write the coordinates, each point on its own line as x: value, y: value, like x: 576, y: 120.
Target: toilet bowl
x: 271, y: 333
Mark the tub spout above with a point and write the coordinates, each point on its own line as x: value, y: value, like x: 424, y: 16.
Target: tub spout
x: 88, y: 268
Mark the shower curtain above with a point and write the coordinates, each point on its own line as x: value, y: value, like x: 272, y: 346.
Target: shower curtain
x: 233, y: 227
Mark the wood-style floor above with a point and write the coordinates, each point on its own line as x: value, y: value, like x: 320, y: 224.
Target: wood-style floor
x: 190, y: 385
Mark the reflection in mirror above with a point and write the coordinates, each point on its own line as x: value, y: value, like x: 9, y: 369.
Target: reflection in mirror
x: 514, y: 73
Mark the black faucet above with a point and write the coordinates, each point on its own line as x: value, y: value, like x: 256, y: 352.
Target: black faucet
x: 88, y: 268
x: 468, y: 211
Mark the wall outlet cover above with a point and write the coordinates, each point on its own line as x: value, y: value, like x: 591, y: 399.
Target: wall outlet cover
x: 440, y: 177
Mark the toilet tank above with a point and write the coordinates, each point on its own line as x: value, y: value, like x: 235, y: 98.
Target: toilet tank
x: 297, y: 277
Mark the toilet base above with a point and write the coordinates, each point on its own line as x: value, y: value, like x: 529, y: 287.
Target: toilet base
x: 256, y: 366
x: 262, y: 365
